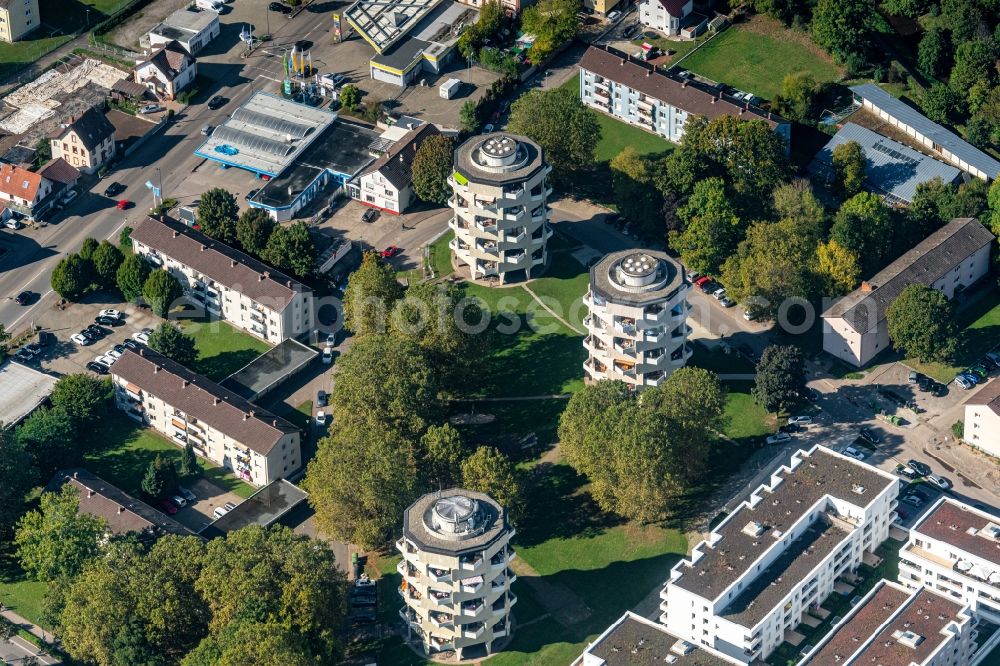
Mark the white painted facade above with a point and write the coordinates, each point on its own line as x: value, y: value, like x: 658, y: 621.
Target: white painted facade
x: 653, y: 14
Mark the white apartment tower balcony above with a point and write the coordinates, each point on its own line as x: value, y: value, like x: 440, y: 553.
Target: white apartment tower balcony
x: 636, y: 327
x: 456, y: 572
x: 499, y: 197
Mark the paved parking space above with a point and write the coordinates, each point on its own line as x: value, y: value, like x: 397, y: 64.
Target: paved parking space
x: 195, y: 516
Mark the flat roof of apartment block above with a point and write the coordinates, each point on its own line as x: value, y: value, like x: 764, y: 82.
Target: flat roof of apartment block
x: 636, y: 277
x: 636, y: 641
x: 965, y: 528
x: 454, y: 521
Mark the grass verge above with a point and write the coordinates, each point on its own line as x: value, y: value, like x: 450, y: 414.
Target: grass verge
x: 222, y: 349
x: 979, y: 326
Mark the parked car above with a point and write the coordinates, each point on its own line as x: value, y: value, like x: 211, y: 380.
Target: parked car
x: 331, y: 340
x: 923, y: 469
x: 114, y: 189
x: 229, y: 506
x: 280, y: 8
x: 488, y: 128
x: 790, y: 427
x: 370, y: 215
x: 72, y: 194
x: 979, y: 371
x: 321, y: 418
x: 186, y: 494
x: 749, y: 314
x: 870, y: 435
x: 987, y: 363
x: 99, y: 368
x: 24, y: 298
x: 993, y: 356
x: 207, y: 130
x: 23, y: 355
x: 779, y: 438
x: 217, y: 102
x: 629, y: 31
x: 107, y: 321
x: 110, y: 312
x: 908, y: 472
x: 321, y: 398
x: 719, y: 293
x: 709, y: 287
x: 852, y: 452
x: 168, y: 506
x: 700, y: 280
x: 142, y: 336
x: 13, y: 223
x: 150, y: 108
x: 179, y: 501
x: 614, y: 16
x: 726, y: 302
x: 328, y: 355
x: 251, y: 194
x: 964, y: 382
x: 99, y: 331
x: 970, y: 377
x: 390, y: 252
x: 45, y: 338
x: 134, y: 345
x: 939, y: 481
x: 801, y: 420
x: 80, y: 339
x: 912, y: 500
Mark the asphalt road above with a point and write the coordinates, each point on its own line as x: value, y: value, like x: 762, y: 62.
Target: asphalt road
x: 165, y: 159
x: 17, y: 649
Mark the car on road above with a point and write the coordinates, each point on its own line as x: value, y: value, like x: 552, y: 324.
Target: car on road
x: 207, y: 130
x: 80, y: 339
x: 280, y: 8
x: 150, y: 108
x: 168, y: 506
x: 852, y: 452
x: 614, y: 16
x: 780, y: 438
x: 923, y: 469
x: 800, y: 420
x: 217, y: 102
x: 328, y: 355
x: 99, y: 368
x: 370, y: 215
x: 124, y: 204
x: 24, y: 298
x: 870, y: 435
x: 390, y: 252
x: 186, y: 494
x: 331, y: 340
x: 321, y: 418
x: 114, y: 189
x: 321, y: 398
x: 939, y: 481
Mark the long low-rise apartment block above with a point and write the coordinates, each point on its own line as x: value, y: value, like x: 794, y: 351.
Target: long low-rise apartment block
x: 949, y: 260
x: 779, y: 553
x: 896, y: 626
x: 635, y: 641
x: 230, y: 284
x: 186, y: 407
x: 659, y: 102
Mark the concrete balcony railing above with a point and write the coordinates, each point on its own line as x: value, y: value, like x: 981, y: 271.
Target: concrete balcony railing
x: 515, y: 237
x: 488, y: 226
x: 488, y: 247
x: 474, y: 633
x: 626, y: 328
x: 439, y: 575
x: 625, y: 350
x: 516, y: 258
x: 441, y: 620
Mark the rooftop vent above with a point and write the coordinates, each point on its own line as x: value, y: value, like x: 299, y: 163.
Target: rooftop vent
x: 908, y: 638
x: 754, y: 528
x: 682, y: 647
x: 858, y: 489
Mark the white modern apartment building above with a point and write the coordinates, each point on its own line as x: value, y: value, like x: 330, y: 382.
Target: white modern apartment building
x: 896, y: 626
x: 499, y: 195
x: 982, y: 419
x: 186, y: 407
x: 636, y: 322
x: 779, y: 553
x: 456, y: 573
x: 635, y: 641
x: 660, y: 102
x: 949, y: 260
x: 228, y: 283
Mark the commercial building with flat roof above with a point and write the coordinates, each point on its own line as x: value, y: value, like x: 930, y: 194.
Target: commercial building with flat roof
x: 190, y: 27
x: 635, y: 641
x: 228, y: 283
x: 896, y: 626
x: 186, y: 407
x: 949, y: 260
x: 935, y: 138
x: 659, y: 101
x: 456, y: 572
x: 779, y: 553
x: 22, y: 390
x: 636, y: 318
x: 892, y: 170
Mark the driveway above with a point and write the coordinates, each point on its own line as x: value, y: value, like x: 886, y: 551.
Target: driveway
x: 197, y: 515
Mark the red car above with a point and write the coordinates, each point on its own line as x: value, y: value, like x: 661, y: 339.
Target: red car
x: 702, y: 280
x: 390, y: 252
x: 124, y: 204
x: 168, y: 506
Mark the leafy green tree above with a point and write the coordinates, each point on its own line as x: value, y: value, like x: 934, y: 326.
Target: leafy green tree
x: 843, y: 27
x: 863, y: 225
x: 634, y: 191
x: 253, y: 229
x: 553, y: 22
x: 57, y: 540
x: 160, y: 290
x: 217, y: 213
x: 490, y: 471
x: 940, y: 102
x: 432, y: 165
x: 849, y: 168
x: 20, y: 474
x: 350, y: 97
x: 712, y: 230
x: 291, y: 249
x: 107, y: 259
x: 442, y: 463
x: 934, y: 53
x: 370, y: 296
x: 491, y: 20
x: 71, y: 277
x: 173, y: 343
x: 88, y: 248
x: 131, y: 276
x: 975, y: 62
x: 125, y: 239
x: 910, y: 8
x: 248, y: 642
x: 274, y: 576
x: 49, y: 435
x: 838, y: 268
x: 83, y: 397
x: 565, y: 129
x: 129, y: 647
x: 4, y: 338
x: 796, y: 200
x: 469, y: 116
x: 189, y: 461
x: 588, y: 421
x: 160, y: 479
x: 797, y: 99
x: 781, y: 377
x: 921, y: 323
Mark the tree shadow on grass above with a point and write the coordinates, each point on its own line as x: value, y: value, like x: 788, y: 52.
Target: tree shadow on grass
x: 562, y: 509
x: 533, y: 363
x: 225, y: 363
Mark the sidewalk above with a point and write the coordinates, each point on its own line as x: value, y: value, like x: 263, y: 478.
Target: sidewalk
x: 24, y: 624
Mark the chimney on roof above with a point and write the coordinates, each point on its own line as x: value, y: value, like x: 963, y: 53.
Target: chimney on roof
x: 274, y: 422
x: 648, y: 72
x: 216, y: 401
x: 202, y: 247
x: 260, y: 278
x: 76, y: 475
x: 867, y: 287
x: 184, y: 383
x: 90, y: 492
x: 713, y: 100
x: 684, y: 83
x: 156, y: 369
x: 121, y: 509
x: 176, y: 233
x: 232, y: 263
x: 623, y: 61
x: 246, y: 416
x: 251, y: 412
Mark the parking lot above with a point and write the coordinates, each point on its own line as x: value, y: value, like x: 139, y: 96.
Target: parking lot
x: 198, y: 514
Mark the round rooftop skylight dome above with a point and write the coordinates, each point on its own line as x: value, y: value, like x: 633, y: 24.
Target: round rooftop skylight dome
x: 498, y: 150
x: 638, y: 270
x: 453, y: 517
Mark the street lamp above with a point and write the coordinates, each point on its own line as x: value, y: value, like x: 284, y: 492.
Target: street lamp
x: 267, y: 18
x: 159, y: 185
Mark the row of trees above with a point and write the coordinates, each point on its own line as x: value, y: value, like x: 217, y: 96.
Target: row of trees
x: 391, y: 442
x: 255, y: 596
x: 286, y: 248
x: 94, y: 267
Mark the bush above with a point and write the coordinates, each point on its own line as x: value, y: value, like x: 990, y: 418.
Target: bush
x: 958, y: 429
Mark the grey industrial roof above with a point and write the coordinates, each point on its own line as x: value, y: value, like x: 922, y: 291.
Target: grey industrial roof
x: 194, y: 20
x: 274, y: 366
x: 635, y: 641
x: 401, y: 54
x: 925, y: 264
x: 22, y: 389
x: 947, y: 140
x: 891, y: 168
x: 821, y: 474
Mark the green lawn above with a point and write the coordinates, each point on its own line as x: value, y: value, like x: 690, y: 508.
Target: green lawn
x: 125, y: 449
x: 980, y: 332
x: 222, y: 349
x: 24, y: 597
x: 440, y: 255
x: 745, y: 418
x: 512, y: 420
x: 563, y: 286
x: 718, y: 361
x: 756, y: 62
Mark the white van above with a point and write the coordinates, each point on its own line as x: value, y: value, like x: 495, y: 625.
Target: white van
x: 212, y: 5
